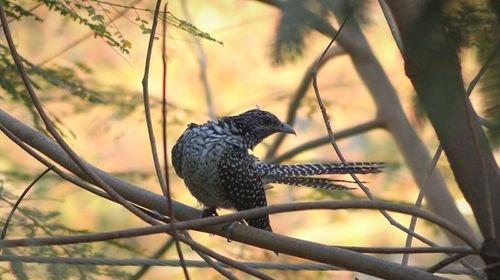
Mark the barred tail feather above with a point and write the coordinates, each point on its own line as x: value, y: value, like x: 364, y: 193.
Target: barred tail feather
x: 317, y: 183
x: 322, y: 168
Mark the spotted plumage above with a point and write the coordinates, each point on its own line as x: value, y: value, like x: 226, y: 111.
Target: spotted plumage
x: 214, y: 162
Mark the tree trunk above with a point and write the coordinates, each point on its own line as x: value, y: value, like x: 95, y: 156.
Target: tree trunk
x: 432, y: 64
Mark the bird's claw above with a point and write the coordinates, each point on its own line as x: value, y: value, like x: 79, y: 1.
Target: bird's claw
x: 209, y: 212
x: 229, y: 228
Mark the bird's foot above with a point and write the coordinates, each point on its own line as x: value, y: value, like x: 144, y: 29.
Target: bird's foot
x: 209, y: 212
x: 229, y: 228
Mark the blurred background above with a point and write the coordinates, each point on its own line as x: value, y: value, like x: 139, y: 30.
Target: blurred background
x: 104, y: 122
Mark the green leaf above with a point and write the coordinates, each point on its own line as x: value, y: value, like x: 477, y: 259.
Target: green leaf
x: 98, y: 18
x: 127, y: 44
x: 188, y: 27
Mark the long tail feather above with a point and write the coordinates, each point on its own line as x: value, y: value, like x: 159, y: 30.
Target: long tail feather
x: 321, y: 168
x: 317, y: 183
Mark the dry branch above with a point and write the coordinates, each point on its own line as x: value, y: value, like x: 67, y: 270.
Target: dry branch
x: 391, y: 114
x: 433, y: 66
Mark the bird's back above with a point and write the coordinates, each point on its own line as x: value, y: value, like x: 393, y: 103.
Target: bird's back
x: 196, y: 156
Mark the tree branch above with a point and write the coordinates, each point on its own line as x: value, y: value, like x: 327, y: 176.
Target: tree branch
x: 391, y: 114
x: 433, y: 66
x: 53, y: 131
x: 154, y: 202
x: 348, y: 132
x: 164, y: 184
x: 299, y: 94
x: 206, y: 224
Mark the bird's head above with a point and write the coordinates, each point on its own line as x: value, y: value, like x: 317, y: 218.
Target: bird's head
x: 255, y: 125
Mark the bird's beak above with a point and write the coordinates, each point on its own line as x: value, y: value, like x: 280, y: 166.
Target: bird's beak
x: 286, y: 128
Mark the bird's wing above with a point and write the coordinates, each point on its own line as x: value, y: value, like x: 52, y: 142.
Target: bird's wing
x: 177, y: 155
x: 243, y: 184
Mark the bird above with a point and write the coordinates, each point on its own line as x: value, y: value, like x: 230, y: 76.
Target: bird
x: 214, y: 161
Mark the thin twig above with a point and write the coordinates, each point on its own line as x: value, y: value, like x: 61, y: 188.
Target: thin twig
x: 469, y: 113
x: 202, y: 223
x: 202, y: 249
x: 483, y: 69
x: 411, y: 250
x: 393, y: 27
x: 165, y: 157
x: 90, y: 34
x: 30, y: 10
x: 152, y: 142
x: 53, y: 131
x: 147, y: 107
x: 45, y: 229
x: 192, y: 263
x: 123, y: 6
x: 438, y: 152
x: 348, y: 132
x: 61, y: 141
x: 72, y: 179
x: 443, y: 263
x: 254, y: 237
x: 418, y: 203
x: 299, y: 94
x: 213, y: 263
x: 385, y: 95
x: 166, y: 191
x: 162, y: 250
x: 21, y: 197
x: 340, y: 155
x: 202, y: 61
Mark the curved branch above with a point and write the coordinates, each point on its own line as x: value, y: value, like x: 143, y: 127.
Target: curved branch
x: 155, y: 202
x: 205, y: 224
x: 164, y: 184
x: 390, y: 113
x: 66, y: 149
x: 433, y: 66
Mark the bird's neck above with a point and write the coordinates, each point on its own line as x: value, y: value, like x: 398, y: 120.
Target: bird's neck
x: 229, y: 127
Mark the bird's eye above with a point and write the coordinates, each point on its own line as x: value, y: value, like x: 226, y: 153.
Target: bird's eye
x: 267, y: 121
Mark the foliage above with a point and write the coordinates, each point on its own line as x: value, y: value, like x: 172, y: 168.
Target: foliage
x: 31, y: 222
x: 16, y: 11
x: 469, y: 22
x: 490, y: 87
x: 474, y: 24
x: 296, y: 21
x: 59, y: 82
x: 292, y: 28
x: 171, y: 19
x: 189, y: 28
